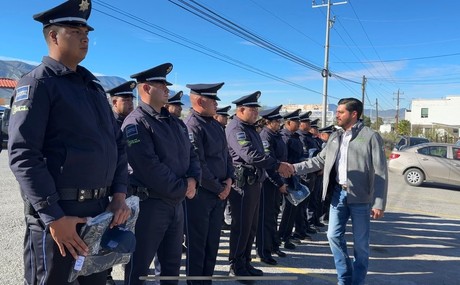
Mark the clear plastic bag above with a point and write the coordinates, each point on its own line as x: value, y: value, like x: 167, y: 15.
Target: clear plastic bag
x: 100, y: 257
x: 297, y: 192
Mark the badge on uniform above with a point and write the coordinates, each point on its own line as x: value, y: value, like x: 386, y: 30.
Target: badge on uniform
x: 266, y: 145
x: 190, y: 136
x: 131, y: 130
x: 241, y: 136
x: 22, y: 93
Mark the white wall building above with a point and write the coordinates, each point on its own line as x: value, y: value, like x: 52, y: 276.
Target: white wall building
x: 435, y: 115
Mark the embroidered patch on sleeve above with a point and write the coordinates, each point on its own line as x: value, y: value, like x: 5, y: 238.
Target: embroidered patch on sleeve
x: 131, y: 130
x: 240, y: 136
x: 22, y: 93
x: 266, y: 145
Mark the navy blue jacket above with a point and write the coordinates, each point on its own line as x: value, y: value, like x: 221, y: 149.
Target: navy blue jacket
x: 276, y: 148
x: 160, y: 154
x: 310, y: 145
x: 62, y: 134
x: 246, y: 148
x: 294, y: 146
x: 208, y: 139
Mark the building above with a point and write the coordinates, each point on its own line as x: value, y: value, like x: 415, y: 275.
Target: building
x: 7, y: 86
x: 435, y: 117
x: 316, y: 111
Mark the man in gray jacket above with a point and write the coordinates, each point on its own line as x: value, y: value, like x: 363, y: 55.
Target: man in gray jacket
x: 355, y: 174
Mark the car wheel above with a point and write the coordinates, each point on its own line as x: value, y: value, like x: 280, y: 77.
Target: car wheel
x: 414, y: 177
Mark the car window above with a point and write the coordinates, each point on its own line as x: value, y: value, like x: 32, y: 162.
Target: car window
x: 415, y: 141
x: 439, y: 151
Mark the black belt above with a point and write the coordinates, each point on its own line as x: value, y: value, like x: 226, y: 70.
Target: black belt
x: 80, y: 195
x: 142, y: 192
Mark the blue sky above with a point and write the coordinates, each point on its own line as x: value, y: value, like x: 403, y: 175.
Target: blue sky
x: 411, y: 45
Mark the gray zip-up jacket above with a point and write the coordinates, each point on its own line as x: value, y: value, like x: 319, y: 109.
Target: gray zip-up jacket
x: 367, y: 171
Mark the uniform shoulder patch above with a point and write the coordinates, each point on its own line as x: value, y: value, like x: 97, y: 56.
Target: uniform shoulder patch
x: 22, y: 93
x: 241, y: 136
x: 131, y: 130
x: 266, y: 144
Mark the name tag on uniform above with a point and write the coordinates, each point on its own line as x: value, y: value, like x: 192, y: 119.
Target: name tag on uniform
x: 22, y: 93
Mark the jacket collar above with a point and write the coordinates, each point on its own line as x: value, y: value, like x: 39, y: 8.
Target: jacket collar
x: 164, y: 114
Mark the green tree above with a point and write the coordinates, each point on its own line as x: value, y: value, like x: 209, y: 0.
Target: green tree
x: 376, y: 125
x: 404, y: 127
x: 366, y: 121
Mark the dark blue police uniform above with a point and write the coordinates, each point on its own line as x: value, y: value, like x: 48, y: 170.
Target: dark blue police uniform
x: 161, y: 158
x: 250, y: 161
x: 204, y: 212
x: 124, y: 90
x: 294, y: 155
x: 65, y: 150
x: 270, y: 197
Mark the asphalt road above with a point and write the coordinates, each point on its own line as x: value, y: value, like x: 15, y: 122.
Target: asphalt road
x: 417, y: 242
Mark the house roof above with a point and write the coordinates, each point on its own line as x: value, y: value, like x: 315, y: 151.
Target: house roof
x: 7, y: 83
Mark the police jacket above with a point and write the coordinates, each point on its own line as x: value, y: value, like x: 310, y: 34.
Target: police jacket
x: 246, y: 148
x: 309, y: 144
x: 276, y: 148
x: 294, y: 146
x: 119, y: 118
x: 367, y: 171
x: 208, y: 139
x: 63, y: 135
x: 160, y: 154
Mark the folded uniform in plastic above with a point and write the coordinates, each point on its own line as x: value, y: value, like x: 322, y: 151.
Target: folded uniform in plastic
x: 297, y: 192
x: 107, y: 247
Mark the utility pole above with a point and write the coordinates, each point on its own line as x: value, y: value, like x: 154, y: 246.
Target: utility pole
x: 325, y: 73
x: 397, y: 109
x: 363, y: 89
x: 377, y: 114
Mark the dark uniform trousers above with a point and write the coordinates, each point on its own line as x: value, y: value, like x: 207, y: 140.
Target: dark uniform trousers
x: 287, y: 220
x: 43, y: 263
x: 268, y: 219
x: 245, y: 216
x: 315, y: 207
x: 159, y: 229
x: 203, y: 222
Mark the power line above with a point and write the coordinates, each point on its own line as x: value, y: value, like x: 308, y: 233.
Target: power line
x: 405, y: 59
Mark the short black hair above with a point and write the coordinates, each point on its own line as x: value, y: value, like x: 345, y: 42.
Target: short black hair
x: 352, y: 104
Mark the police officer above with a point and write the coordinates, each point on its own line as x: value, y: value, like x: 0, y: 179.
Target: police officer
x: 122, y: 100
x: 222, y: 115
x: 270, y: 197
x: 250, y: 162
x: 66, y: 150
x: 204, y: 212
x: 294, y: 153
x: 174, y: 105
x: 164, y: 170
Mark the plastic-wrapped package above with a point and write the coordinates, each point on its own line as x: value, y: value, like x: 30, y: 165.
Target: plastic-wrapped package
x: 107, y: 247
x: 297, y: 192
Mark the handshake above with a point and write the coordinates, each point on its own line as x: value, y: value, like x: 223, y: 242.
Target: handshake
x: 286, y: 169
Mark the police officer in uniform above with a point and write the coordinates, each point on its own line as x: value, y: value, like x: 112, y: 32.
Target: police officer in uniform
x: 65, y: 149
x: 222, y: 115
x: 204, y: 212
x: 174, y: 105
x: 294, y: 153
x: 122, y: 100
x: 250, y: 162
x: 270, y: 197
x: 164, y: 170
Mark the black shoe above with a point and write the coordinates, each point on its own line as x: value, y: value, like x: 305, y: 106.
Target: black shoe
x: 269, y: 260
x: 289, y: 245
x: 311, y: 230
x: 299, y: 236
x: 254, y: 271
x: 109, y: 280
x: 295, y: 240
x: 279, y: 253
x: 241, y: 273
x: 319, y: 225
x: 225, y: 226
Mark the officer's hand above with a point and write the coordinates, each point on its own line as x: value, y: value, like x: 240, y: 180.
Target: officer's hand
x: 286, y: 169
x: 224, y: 194
x: 120, y: 210
x: 283, y: 189
x: 191, y: 188
x: 64, y: 233
x: 376, y: 214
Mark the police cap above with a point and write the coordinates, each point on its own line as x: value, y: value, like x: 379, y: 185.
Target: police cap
x: 123, y: 90
x: 248, y: 100
x: 292, y: 116
x: 223, y: 111
x: 305, y: 117
x: 176, y: 99
x: 155, y: 74
x: 207, y: 90
x: 73, y: 13
x: 271, y: 114
x: 329, y: 129
x: 314, y: 123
